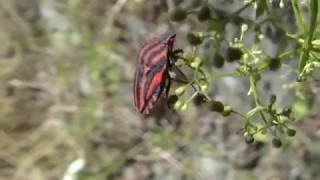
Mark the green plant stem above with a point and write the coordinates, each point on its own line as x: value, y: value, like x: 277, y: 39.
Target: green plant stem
x: 254, y: 89
x: 275, y: 20
x: 242, y: 8
x: 225, y: 74
x: 308, y: 44
x: 240, y: 114
x: 283, y: 57
x: 237, y: 12
x: 298, y: 16
x: 264, y: 21
x: 192, y: 97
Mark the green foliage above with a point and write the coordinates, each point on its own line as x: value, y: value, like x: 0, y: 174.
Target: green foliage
x: 308, y: 48
x: 252, y: 63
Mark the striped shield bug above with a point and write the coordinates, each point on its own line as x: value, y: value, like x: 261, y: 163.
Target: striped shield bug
x: 151, y: 79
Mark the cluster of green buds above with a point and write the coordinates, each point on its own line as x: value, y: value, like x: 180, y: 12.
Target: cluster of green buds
x: 198, y: 99
x: 308, y: 70
x: 278, y: 124
x: 251, y: 64
x: 200, y: 85
x: 180, y: 14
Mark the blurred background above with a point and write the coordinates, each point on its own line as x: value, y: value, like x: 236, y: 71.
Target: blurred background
x: 66, y: 104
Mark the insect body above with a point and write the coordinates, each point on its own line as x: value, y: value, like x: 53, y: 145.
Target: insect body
x: 151, y: 78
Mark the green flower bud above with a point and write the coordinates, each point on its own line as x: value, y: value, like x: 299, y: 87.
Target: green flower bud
x: 249, y: 139
x: 196, y: 63
x: 199, y: 99
x: 203, y: 83
x: 227, y: 111
x: 301, y: 78
x: 257, y: 77
x: 195, y: 3
x: 181, y: 105
x: 291, y: 132
x: 273, y: 98
x: 286, y: 112
x: 237, y: 20
x: 204, y: 13
x: 178, y: 104
x: 172, y: 99
x: 274, y: 64
x: 180, y: 90
x: 194, y: 39
x: 276, y: 142
x: 218, y: 60
x: 184, y: 106
x: 233, y: 54
x: 178, y: 15
x: 204, y: 87
x: 217, y: 106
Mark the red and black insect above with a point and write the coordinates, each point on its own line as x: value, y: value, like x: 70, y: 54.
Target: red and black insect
x: 152, y: 78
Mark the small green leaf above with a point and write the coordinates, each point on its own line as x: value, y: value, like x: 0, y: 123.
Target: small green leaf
x: 313, y: 22
x: 298, y: 15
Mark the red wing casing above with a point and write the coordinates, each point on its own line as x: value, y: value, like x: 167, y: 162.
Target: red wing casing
x: 151, y: 74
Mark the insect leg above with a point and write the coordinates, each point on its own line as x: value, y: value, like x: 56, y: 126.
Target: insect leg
x: 168, y: 89
x: 176, y: 54
x: 184, y: 80
x: 188, y: 65
x: 177, y: 51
